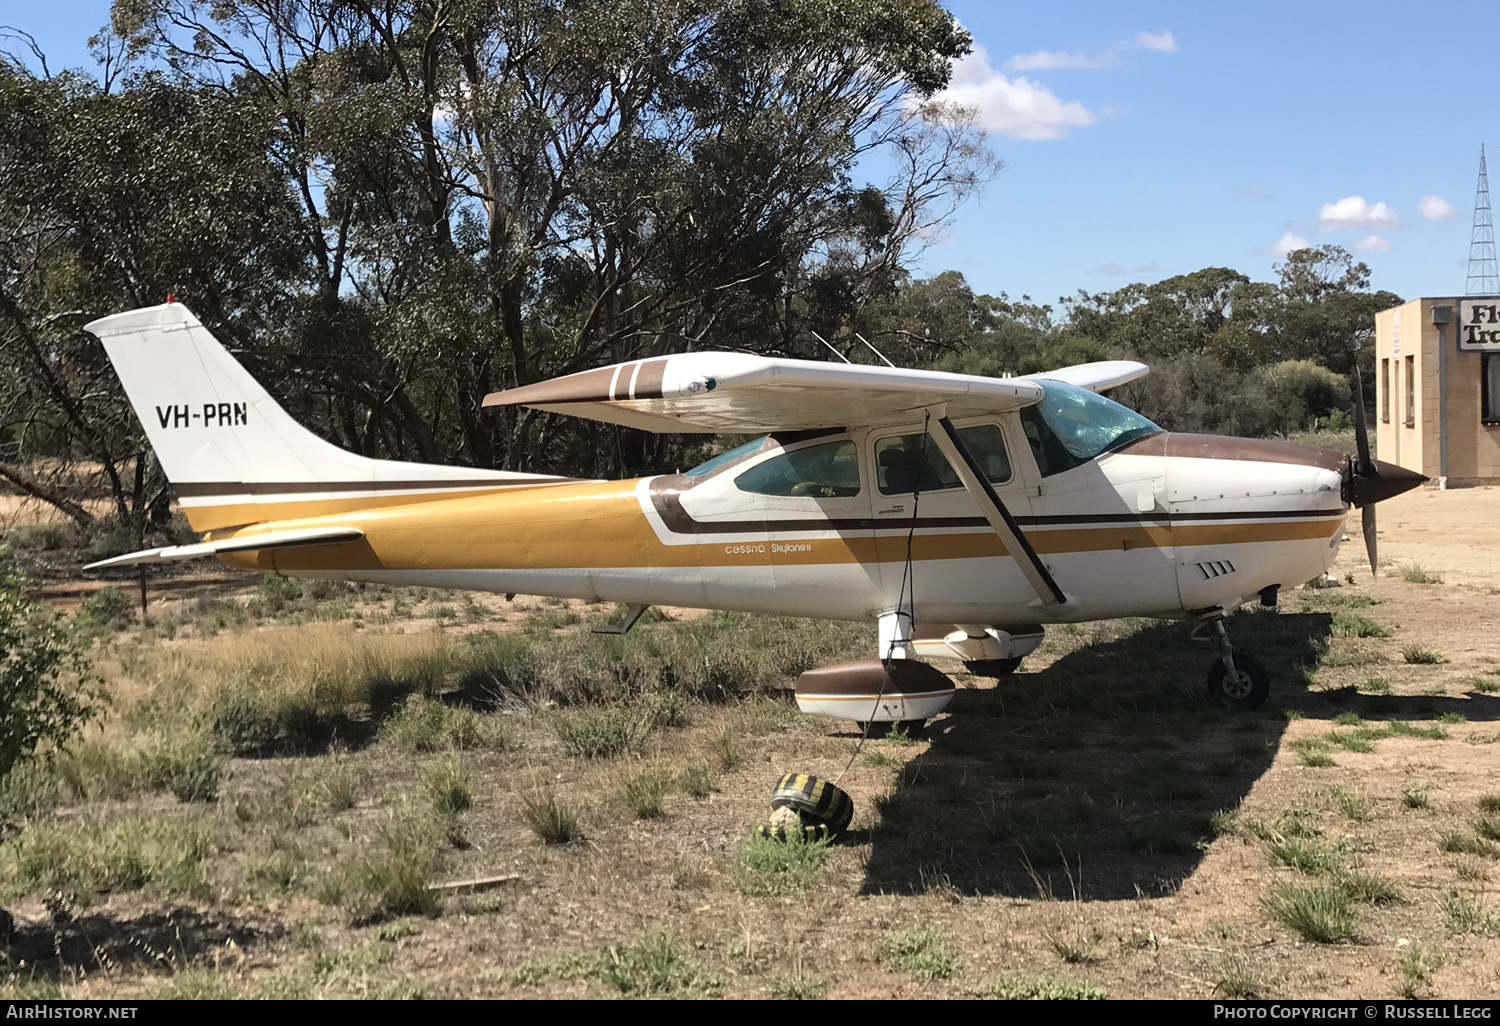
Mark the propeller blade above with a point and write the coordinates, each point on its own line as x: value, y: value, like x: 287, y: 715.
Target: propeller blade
x: 1363, y: 467
x: 1367, y: 525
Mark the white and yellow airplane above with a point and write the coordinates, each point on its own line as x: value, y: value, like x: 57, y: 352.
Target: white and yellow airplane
x: 961, y: 513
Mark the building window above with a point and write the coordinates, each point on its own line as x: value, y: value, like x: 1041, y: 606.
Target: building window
x: 1385, y: 391
x: 1489, y: 389
x: 1411, y: 391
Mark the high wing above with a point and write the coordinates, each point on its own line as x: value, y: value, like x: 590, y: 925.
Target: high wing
x: 1096, y: 377
x: 740, y: 393
x: 236, y: 543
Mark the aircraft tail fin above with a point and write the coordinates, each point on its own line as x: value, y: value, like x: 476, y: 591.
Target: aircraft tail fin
x: 232, y: 454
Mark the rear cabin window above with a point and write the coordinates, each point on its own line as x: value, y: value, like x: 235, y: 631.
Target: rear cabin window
x: 826, y: 471
x: 908, y: 463
x: 1072, y: 425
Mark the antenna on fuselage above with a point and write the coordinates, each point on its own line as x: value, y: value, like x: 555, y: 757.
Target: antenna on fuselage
x: 831, y: 349
x: 872, y: 349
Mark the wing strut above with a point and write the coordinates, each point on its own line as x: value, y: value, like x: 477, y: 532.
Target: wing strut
x: 995, y: 512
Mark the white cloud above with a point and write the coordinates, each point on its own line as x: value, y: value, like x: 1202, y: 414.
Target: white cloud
x: 1354, y: 212
x: 1019, y: 107
x: 1288, y: 243
x: 1049, y: 60
x: 1372, y: 244
x: 1435, y: 208
x: 1111, y: 56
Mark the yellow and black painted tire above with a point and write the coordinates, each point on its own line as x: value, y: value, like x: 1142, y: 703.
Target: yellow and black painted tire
x: 818, y: 801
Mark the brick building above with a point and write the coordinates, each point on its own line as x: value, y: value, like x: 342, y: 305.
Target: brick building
x: 1437, y: 387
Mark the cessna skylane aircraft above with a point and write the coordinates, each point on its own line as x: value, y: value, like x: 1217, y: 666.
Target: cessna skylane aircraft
x: 961, y: 513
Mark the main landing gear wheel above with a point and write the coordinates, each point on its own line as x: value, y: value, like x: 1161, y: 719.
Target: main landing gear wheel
x: 1248, y: 691
x: 996, y: 668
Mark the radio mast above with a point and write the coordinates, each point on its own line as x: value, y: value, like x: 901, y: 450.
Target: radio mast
x: 1484, y: 275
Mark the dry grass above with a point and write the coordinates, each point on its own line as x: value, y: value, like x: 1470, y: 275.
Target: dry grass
x: 356, y: 767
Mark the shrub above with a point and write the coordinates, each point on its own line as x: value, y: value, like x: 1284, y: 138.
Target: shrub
x: 1303, y: 391
x: 81, y: 862
x: 109, y: 607
x: 426, y: 725
x: 48, y: 691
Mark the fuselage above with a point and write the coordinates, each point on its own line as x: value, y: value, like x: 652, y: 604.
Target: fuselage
x: 1163, y: 525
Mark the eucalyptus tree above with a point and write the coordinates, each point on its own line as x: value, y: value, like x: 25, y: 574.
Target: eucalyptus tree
x: 489, y: 193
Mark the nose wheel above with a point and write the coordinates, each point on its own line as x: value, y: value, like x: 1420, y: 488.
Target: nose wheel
x: 1246, y: 689
x: 1235, y: 680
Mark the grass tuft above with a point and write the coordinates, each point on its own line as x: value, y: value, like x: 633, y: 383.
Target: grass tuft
x: 644, y: 791
x: 1415, y: 965
x: 1323, y: 915
x: 1235, y: 980
x: 448, y: 785
x: 923, y: 953
x: 1042, y: 988
x: 552, y: 821
x: 1420, y: 656
x: 769, y: 868
x: 1464, y: 914
x: 398, y: 875
x: 1456, y: 843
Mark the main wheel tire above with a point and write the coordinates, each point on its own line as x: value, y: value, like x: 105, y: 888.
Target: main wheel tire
x: 1248, y: 692
x: 996, y: 668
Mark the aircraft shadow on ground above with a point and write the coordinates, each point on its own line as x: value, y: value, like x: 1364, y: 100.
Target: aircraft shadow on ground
x: 1095, y: 778
x: 101, y: 943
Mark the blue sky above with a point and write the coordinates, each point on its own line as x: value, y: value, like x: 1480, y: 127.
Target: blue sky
x: 1145, y: 140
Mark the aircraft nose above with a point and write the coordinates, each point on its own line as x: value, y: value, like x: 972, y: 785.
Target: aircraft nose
x: 1381, y: 482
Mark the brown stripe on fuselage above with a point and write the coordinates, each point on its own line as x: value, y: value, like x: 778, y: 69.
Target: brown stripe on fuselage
x: 600, y: 525
x: 214, y: 516
x: 198, y: 489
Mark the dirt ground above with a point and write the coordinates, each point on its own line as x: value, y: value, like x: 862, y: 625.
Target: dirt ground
x: 1089, y: 820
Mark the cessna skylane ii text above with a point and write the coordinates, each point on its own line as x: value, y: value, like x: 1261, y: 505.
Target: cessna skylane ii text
x: 961, y: 513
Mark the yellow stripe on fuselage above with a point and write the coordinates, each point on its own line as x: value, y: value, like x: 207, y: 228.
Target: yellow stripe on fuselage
x: 600, y: 525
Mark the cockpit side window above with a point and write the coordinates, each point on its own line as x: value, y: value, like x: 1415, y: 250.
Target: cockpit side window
x: 910, y: 463
x: 1072, y: 425
x: 830, y: 470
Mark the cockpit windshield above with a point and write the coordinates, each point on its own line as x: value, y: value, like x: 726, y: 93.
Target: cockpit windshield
x: 1072, y: 425
x: 718, y: 461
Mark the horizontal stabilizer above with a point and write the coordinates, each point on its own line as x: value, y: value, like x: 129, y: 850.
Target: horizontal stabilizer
x: 238, y: 543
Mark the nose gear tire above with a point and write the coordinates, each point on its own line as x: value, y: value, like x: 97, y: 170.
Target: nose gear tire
x: 1248, y: 692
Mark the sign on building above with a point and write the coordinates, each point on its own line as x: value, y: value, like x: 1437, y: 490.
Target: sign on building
x: 1478, y: 320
